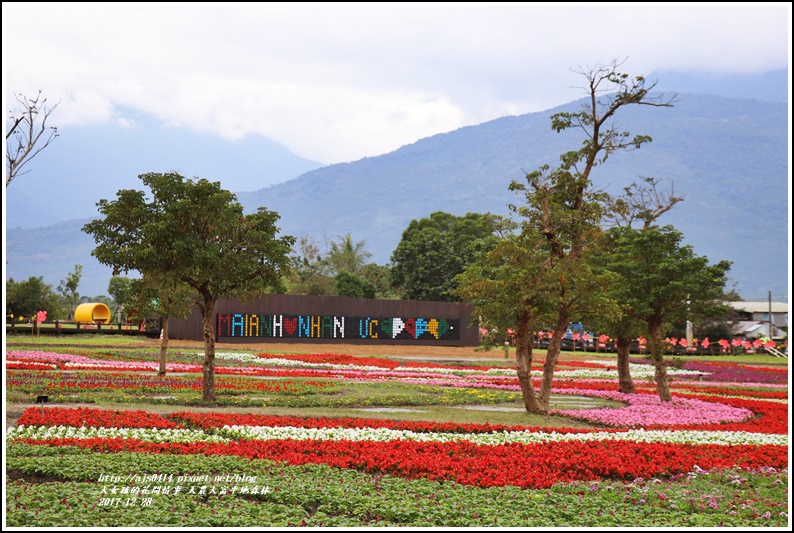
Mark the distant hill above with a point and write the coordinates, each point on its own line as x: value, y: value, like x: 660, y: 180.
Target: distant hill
x: 727, y: 156
x: 767, y: 86
x: 88, y: 163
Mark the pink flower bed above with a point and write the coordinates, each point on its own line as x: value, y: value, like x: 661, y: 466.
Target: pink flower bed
x: 646, y: 409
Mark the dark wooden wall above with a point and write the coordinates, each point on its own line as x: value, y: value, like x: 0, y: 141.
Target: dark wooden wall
x: 291, y: 304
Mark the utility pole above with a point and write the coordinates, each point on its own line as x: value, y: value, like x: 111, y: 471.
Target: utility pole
x: 770, y: 315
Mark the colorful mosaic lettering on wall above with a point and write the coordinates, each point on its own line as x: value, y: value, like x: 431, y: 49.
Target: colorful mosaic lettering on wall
x: 336, y: 327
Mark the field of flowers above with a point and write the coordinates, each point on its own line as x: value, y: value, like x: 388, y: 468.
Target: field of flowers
x: 717, y: 455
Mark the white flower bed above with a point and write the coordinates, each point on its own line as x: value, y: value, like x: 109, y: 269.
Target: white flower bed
x: 503, y: 437
x: 143, y: 434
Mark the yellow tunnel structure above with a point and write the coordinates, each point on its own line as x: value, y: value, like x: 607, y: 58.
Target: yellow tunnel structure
x: 94, y: 313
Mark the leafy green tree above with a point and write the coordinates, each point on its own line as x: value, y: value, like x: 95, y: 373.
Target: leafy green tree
x: 349, y: 284
x: 506, y: 285
x: 511, y: 287
x: 435, y: 249
x: 162, y: 296
x: 99, y: 298
x: 380, y: 277
x: 68, y: 289
x: 642, y: 202
x: 119, y: 290
x: 347, y: 256
x: 26, y: 298
x: 663, y: 281
x: 309, y: 274
x: 560, y: 222
x: 194, y: 233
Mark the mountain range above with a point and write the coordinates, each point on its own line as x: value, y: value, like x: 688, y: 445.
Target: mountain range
x: 724, y: 147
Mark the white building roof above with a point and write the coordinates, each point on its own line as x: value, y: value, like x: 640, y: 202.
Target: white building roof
x: 750, y: 328
x: 759, y: 307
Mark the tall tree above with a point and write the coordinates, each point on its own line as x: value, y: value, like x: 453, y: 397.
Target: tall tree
x: 561, y: 218
x: 663, y: 281
x: 349, y: 284
x: 25, y: 136
x: 193, y: 232
x: 435, y: 249
x: 347, y: 256
x: 161, y: 296
x: 26, y: 298
x: 506, y: 284
x: 68, y: 289
x: 642, y: 202
x: 309, y: 273
x: 119, y: 289
x: 380, y: 277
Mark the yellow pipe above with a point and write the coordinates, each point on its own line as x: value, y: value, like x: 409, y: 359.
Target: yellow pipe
x: 92, y: 314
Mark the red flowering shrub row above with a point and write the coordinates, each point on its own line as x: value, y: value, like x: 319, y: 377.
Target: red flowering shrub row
x: 420, y: 364
x: 770, y: 395
x: 755, y: 368
x: 98, y: 418
x: 334, y: 359
x: 30, y: 366
x: 282, y: 372
x: 215, y: 420
x: 522, y: 465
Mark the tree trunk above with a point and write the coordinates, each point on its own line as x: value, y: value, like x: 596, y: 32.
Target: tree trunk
x: 623, y: 343
x: 524, y: 365
x: 209, y: 352
x: 163, y: 346
x: 655, y: 341
x: 553, y: 355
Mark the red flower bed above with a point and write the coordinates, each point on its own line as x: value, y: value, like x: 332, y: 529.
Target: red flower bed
x: 98, y: 418
x: 771, y: 395
x: 31, y: 366
x: 420, y: 364
x: 334, y: 359
x: 278, y: 372
x: 522, y: 465
x: 755, y: 368
x: 215, y: 420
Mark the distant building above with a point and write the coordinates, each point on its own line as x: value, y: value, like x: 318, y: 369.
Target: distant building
x: 754, y: 319
x: 754, y: 330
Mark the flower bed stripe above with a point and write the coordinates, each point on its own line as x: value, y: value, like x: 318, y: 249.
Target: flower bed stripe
x: 89, y: 417
x: 523, y: 465
x: 495, y: 438
x: 44, y: 433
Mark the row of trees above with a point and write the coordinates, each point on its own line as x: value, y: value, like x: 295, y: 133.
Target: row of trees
x: 431, y: 252
x: 553, y: 261
x: 26, y: 298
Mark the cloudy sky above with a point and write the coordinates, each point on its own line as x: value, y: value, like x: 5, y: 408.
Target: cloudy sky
x: 341, y: 81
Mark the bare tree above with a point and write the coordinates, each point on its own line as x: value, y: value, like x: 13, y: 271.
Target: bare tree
x: 27, y: 124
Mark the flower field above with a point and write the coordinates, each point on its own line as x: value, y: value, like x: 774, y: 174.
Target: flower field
x: 716, y: 456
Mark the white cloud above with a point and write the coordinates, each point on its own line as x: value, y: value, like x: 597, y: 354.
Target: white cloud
x: 337, y: 82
